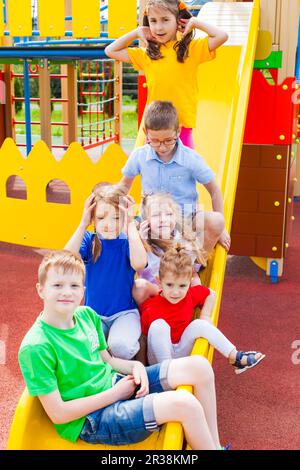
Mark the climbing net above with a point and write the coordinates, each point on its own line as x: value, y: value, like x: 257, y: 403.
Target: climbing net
x: 96, y: 103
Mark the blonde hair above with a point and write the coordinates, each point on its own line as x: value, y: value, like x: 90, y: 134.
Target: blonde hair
x: 107, y: 194
x: 176, y: 261
x: 155, y: 245
x: 183, y: 226
x: 61, y: 259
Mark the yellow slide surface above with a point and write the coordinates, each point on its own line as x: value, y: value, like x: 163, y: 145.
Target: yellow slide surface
x: 224, y: 91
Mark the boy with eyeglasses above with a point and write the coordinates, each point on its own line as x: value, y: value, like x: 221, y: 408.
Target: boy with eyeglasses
x: 168, y: 166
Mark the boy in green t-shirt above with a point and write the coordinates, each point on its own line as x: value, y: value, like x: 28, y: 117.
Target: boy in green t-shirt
x: 89, y: 394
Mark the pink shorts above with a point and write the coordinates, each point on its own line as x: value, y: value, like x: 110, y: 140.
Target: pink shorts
x: 186, y: 137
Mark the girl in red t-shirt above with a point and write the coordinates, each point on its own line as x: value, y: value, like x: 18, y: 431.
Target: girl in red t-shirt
x: 167, y: 319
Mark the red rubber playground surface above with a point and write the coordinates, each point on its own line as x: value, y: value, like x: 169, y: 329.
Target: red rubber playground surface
x: 259, y: 409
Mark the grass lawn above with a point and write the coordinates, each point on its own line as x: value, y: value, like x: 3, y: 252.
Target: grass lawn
x: 129, y: 125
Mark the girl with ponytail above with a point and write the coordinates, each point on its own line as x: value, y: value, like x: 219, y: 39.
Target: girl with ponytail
x: 171, y: 56
x: 112, y: 253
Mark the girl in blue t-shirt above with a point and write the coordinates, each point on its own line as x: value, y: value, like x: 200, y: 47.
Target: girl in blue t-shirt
x: 112, y: 253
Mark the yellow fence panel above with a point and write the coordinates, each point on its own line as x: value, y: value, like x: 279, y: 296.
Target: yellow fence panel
x: 36, y: 222
x: 52, y: 17
x: 86, y: 18
x: 122, y: 17
x: 1, y: 22
x: 19, y: 17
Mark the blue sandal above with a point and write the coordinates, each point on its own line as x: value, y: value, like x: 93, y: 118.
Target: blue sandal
x: 251, y: 361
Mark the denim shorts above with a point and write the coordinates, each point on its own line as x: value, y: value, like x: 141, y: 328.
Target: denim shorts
x: 129, y: 421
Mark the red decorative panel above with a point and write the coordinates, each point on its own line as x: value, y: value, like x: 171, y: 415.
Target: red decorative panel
x: 270, y: 112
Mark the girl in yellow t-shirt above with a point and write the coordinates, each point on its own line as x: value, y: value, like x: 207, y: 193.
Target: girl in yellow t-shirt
x: 170, y: 64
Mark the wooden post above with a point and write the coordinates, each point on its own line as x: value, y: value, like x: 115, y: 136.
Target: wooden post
x: 69, y: 91
x: 64, y: 95
x: 277, y: 26
x: 119, y: 100
x: 289, y: 21
x: 2, y: 101
x: 68, y: 11
x: 2, y: 124
x: 268, y: 16
x: 2, y: 108
x: 73, y: 113
x: 9, y: 108
x: 45, y: 103
x: 297, y: 183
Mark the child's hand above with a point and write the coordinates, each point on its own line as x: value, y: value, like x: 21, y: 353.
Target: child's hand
x: 89, y: 206
x: 144, y: 34
x: 124, y: 388
x: 141, y: 378
x: 144, y: 229
x: 185, y: 26
x: 127, y: 207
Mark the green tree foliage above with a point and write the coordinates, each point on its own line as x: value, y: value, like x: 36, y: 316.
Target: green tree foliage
x: 18, y: 93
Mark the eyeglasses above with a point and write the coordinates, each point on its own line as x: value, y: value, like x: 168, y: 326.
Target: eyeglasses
x: 157, y: 143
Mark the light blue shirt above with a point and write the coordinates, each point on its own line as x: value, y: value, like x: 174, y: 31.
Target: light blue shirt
x: 177, y: 177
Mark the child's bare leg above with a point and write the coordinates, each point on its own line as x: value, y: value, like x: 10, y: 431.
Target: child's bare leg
x: 183, y: 407
x: 209, y: 226
x: 197, y: 371
x: 142, y: 290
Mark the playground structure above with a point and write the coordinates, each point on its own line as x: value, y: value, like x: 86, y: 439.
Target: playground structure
x: 263, y: 212
x: 219, y: 136
x: 92, y: 89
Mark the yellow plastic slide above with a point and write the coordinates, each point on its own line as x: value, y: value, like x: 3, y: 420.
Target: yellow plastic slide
x: 224, y: 91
